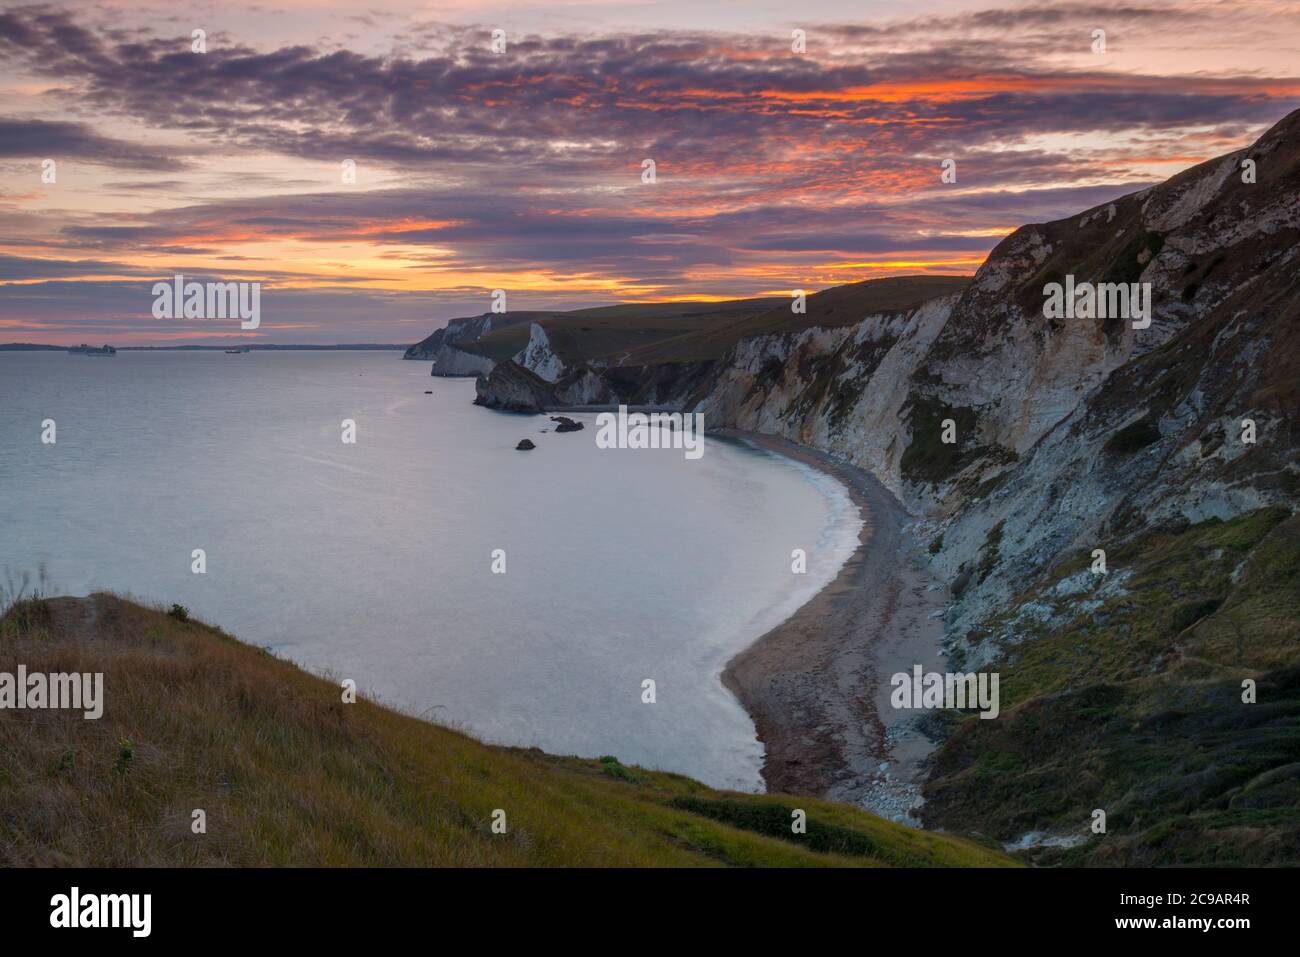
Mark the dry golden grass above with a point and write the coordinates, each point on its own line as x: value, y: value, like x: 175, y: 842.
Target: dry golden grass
x: 290, y: 775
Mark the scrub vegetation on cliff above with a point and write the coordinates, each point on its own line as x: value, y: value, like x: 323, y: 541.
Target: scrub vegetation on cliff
x: 1124, y: 692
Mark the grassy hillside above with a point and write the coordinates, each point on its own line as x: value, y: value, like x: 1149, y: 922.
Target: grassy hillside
x: 647, y: 334
x: 1124, y: 692
x: 290, y: 775
x: 610, y: 332
x: 836, y: 306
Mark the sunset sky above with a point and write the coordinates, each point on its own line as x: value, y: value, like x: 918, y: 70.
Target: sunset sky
x: 522, y: 170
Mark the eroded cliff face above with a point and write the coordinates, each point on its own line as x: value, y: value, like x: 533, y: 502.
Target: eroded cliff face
x: 450, y: 361
x: 1071, y: 433
x: 840, y: 390
x: 510, y: 387
x: 538, y: 356
x: 457, y: 330
x: 447, y: 359
x: 1116, y: 520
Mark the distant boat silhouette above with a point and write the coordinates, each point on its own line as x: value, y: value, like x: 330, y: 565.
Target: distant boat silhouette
x: 236, y: 352
x: 85, y: 350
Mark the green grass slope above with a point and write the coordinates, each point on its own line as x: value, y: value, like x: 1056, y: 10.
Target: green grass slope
x: 646, y: 334
x: 1126, y: 695
x: 830, y: 308
x: 611, y: 332
x: 288, y: 774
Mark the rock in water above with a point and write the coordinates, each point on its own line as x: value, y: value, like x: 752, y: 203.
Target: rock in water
x: 525, y: 445
x: 566, y: 424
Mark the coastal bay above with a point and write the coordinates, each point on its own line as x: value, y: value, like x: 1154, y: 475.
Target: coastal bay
x: 374, y: 561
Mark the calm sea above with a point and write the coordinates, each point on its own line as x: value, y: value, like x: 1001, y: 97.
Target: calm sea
x: 373, y: 561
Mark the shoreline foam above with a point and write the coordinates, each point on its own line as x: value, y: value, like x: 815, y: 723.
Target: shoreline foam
x: 817, y: 685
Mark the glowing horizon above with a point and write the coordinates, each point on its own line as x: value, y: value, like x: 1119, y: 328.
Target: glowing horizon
x: 523, y: 170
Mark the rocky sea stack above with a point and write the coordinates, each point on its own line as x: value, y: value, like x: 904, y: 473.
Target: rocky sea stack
x: 566, y: 424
